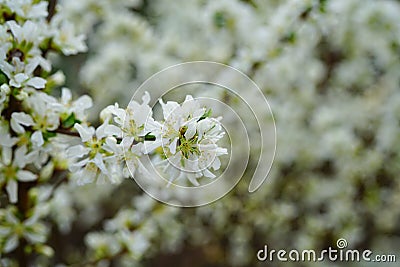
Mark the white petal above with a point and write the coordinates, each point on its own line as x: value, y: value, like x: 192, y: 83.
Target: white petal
x: 35, y: 216
x: 35, y: 237
x: 7, y: 141
x: 78, y: 165
x: 19, y: 157
x: 22, y: 118
x: 169, y: 107
x: 26, y: 176
x: 101, y: 130
x: 141, y: 114
x: 113, y: 130
x: 191, y: 131
x: 101, y: 179
x: 111, y: 145
x: 82, y: 103
x: 38, y: 10
x: 36, y: 82
x: 77, y: 151
x: 85, y: 132
x: 127, y: 141
x: 4, y: 231
x: 146, y: 98
x: 31, y: 156
x: 88, y: 175
x: 202, y: 127
x: 66, y: 96
x: 37, y: 138
x: 11, y: 244
x: 193, y: 179
x: 20, y: 78
x: 173, y: 145
x: 142, y: 169
x: 46, y: 65
x: 216, y: 164
x: 149, y: 146
x: 152, y: 126
x: 6, y: 155
x: 209, y: 174
x: 14, y: 27
x: 12, y: 190
x: 98, y: 160
x: 7, y: 68
x: 16, y: 127
x: 221, y: 151
x: 32, y: 65
x: 10, y: 217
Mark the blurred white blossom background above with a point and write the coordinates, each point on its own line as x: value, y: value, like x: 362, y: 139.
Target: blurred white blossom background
x: 329, y: 69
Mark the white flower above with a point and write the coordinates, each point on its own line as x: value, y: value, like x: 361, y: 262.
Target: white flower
x: 99, y: 155
x: 20, y: 74
x: 136, y: 242
x: 64, y: 36
x: 78, y: 106
x: 5, y: 138
x: 4, y: 96
x: 42, y: 119
x: 189, y: 141
x: 29, y: 32
x: 62, y: 201
x: 4, y: 34
x: 27, y: 9
x: 20, y: 119
x: 136, y: 120
x: 12, y: 229
x: 12, y: 170
x: 104, y: 242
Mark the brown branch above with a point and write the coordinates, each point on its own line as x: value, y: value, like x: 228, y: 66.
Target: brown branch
x: 66, y: 132
x: 23, y: 205
x: 96, y: 261
x: 51, y: 9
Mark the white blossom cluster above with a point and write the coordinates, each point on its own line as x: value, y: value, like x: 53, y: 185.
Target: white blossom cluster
x: 30, y: 116
x: 30, y: 119
x: 189, y: 140
x: 187, y: 137
x: 47, y: 144
x: 329, y: 70
x: 132, y: 232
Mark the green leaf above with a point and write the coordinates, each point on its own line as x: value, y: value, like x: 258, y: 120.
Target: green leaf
x: 47, y: 135
x: 149, y: 137
x: 219, y: 19
x: 206, y: 115
x: 3, y: 78
x: 69, y: 121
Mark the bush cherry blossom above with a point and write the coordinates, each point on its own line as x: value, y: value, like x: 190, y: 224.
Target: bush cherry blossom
x: 44, y: 136
x: 189, y: 139
x: 330, y: 70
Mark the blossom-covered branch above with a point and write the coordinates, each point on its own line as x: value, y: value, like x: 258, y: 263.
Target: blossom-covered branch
x: 43, y: 135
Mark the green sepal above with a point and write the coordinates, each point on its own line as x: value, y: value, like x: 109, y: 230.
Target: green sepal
x: 48, y: 135
x: 149, y: 137
x: 206, y: 114
x: 3, y: 78
x: 69, y: 121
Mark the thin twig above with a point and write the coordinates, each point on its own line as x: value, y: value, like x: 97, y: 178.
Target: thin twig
x: 96, y: 261
x: 66, y: 132
x: 51, y: 9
